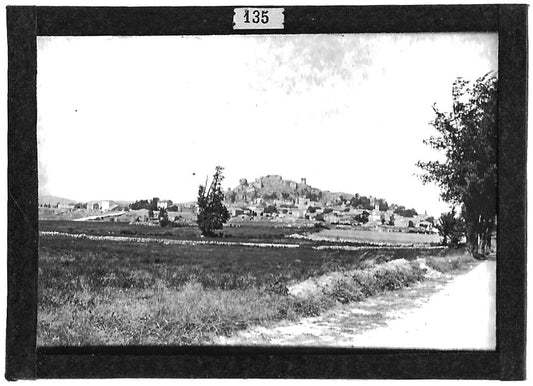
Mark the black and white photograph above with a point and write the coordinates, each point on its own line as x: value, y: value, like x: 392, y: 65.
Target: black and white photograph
x: 270, y: 192
x: 290, y: 190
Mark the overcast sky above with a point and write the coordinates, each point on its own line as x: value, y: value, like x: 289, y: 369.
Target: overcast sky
x: 127, y: 118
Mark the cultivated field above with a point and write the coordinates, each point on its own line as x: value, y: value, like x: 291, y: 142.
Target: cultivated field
x: 378, y: 237
x: 128, y: 284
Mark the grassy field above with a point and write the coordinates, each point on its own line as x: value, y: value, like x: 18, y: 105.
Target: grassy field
x: 379, y: 237
x: 101, y: 292
x: 250, y: 232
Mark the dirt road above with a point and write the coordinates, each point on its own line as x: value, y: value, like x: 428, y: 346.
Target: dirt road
x: 444, y: 313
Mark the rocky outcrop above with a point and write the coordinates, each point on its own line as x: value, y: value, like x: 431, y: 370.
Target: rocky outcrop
x: 273, y: 188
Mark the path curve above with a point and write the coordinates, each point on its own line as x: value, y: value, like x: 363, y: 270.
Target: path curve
x: 459, y: 313
x: 461, y: 316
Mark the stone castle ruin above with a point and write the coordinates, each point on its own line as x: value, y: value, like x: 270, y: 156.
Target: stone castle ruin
x: 273, y: 188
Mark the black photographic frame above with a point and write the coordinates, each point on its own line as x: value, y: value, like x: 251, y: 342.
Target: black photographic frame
x: 25, y: 361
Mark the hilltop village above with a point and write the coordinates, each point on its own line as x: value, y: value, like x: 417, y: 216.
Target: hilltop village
x: 275, y: 199
x: 268, y: 199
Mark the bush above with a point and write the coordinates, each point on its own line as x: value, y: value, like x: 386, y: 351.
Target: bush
x: 142, y: 204
x: 270, y: 197
x: 362, y: 217
x: 346, y: 290
x: 447, y: 264
x: 271, y: 209
x: 363, y: 283
x: 405, y: 212
x: 163, y: 217
x: 451, y: 228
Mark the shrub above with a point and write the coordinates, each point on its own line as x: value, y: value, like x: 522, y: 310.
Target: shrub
x: 346, y: 290
x: 362, y: 218
x: 446, y: 264
x: 363, y: 283
x: 451, y: 228
x: 270, y: 209
x: 400, y: 210
x: 163, y: 217
x: 270, y: 197
x: 142, y: 204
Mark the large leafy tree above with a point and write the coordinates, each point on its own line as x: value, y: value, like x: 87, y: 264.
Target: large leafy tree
x: 468, y: 138
x: 212, y: 213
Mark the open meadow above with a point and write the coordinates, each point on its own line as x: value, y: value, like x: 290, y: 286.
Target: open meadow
x: 366, y: 236
x: 120, y: 284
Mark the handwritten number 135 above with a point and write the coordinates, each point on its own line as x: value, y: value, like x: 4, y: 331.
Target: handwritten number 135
x: 257, y: 16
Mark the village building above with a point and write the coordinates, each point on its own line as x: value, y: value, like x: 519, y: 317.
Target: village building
x: 236, y: 212
x: 302, y: 202
x: 425, y: 225
x: 331, y: 218
x: 103, y: 206
x: 66, y: 206
x: 93, y: 205
x: 164, y: 204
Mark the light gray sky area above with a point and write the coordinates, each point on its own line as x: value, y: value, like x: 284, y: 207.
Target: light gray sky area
x: 126, y: 118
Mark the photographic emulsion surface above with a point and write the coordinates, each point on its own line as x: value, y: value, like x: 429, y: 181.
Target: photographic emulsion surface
x: 279, y: 192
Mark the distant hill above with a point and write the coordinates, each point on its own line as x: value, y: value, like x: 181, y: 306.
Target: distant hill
x: 274, y: 187
x: 119, y: 203
x: 53, y: 200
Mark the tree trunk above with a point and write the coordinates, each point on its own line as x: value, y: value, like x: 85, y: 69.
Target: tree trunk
x: 483, y: 246
x: 472, y: 235
x: 476, y: 242
x: 481, y: 239
x: 488, y: 236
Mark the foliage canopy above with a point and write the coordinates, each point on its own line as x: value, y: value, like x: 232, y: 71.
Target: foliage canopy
x: 212, y: 213
x: 451, y: 228
x: 468, y: 139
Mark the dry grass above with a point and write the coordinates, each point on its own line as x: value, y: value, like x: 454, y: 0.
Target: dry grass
x: 189, y: 315
x: 451, y: 262
x: 193, y: 314
x: 363, y: 283
x: 379, y: 237
x: 123, y: 293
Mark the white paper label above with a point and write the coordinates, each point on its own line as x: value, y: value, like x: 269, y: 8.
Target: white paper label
x: 258, y: 18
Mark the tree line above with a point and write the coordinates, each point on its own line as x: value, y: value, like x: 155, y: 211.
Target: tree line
x: 467, y: 135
